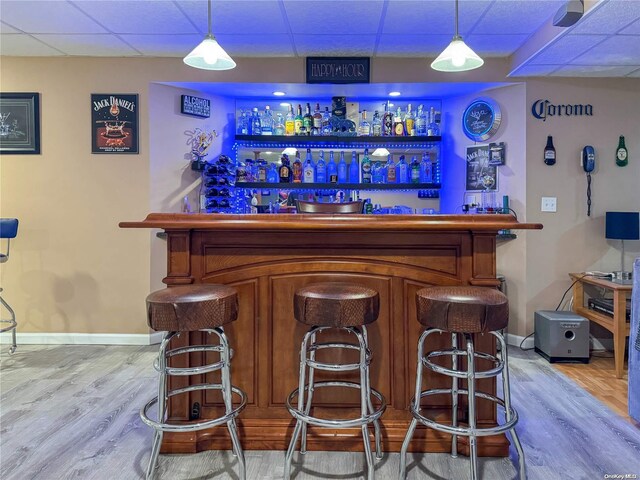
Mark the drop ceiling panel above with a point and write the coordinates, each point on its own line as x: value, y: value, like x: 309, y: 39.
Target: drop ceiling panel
x: 405, y: 45
x: 427, y: 17
x: 616, y: 50
x: 534, y: 71
x: 495, y: 45
x: 253, y: 45
x: 594, y: 71
x: 164, y: 45
x: 344, y: 45
x: 509, y: 17
x: 47, y: 17
x: 635, y: 74
x: 89, y: 45
x: 150, y: 16
x: 633, y: 29
x: 4, y: 28
x: 337, y: 18
x: 237, y: 16
x: 608, y: 17
x: 566, y: 49
x: 24, y: 46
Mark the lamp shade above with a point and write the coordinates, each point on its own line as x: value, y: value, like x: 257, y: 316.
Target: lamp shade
x: 622, y: 225
x: 457, y: 57
x: 209, y: 55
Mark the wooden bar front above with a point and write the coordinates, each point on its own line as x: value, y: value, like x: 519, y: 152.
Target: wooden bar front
x: 267, y: 257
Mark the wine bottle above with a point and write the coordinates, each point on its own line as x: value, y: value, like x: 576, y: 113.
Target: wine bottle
x: 622, y: 156
x: 549, y: 152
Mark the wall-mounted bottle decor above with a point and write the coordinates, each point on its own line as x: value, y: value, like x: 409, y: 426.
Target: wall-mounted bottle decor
x: 622, y: 155
x: 549, y: 152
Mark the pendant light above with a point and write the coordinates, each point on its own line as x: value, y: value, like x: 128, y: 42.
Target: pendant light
x: 457, y: 57
x: 209, y: 55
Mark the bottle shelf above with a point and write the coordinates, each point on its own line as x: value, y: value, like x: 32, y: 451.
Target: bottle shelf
x: 335, y: 140
x: 340, y: 186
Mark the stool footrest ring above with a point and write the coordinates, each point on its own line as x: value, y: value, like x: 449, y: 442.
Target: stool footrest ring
x: 335, y: 423
x: 192, y: 427
x: 493, y: 372
x: 464, y: 431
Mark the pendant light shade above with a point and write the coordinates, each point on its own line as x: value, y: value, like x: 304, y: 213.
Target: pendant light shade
x: 457, y: 57
x: 209, y: 55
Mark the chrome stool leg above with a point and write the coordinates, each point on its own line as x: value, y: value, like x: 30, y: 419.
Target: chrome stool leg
x: 365, y: 401
x: 454, y: 396
x: 471, y: 389
x: 307, y: 410
x: 376, y: 423
x: 506, y: 392
x: 12, y: 325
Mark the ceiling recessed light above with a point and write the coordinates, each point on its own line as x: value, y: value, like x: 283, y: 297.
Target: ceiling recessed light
x: 285, y: 104
x: 394, y: 94
x: 279, y: 94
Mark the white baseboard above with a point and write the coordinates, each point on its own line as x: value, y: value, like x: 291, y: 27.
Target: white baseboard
x: 28, y: 338
x: 513, y: 339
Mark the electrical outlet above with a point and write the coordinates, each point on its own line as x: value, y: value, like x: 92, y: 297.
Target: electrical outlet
x: 549, y: 204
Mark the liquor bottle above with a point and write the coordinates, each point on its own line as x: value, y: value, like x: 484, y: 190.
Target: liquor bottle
x: 267, y: 121
x: 321, y: 169
x: 376, y: 125
x: 243, y: 124
x: 342, y: 169
x: 377, y: 173
x: 307, y: 121
x: 622, y: 155
x: 409, y: 122
x: 387, y: 120
x: 550, y: 152
x: 421, y: 122
x: 309, y: 169
x: 414, y: 169
x: 390, y: 168
x: 332, y: 169
x: 317, y: 121
x: 433, y: 129
x: 354, y: 169
x: 213, y: 203
x: 272, y: 173
x: 284, y: 172
x: 256, y: 125
x: 426, y: 170
x: 297, y: 121
x: 402, y: 171
x: 211, y: 192
x: 398, y: 124
x: 278, y: 128
x: 326, y: 124
x: 289, y: 124
x: 364, y: 129
x: 366, y: 167
x: 296, y: 169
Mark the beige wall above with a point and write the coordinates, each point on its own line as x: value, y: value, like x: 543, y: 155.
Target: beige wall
x: 74, y: 270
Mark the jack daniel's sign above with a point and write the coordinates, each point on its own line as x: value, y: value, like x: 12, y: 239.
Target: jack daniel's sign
x: 541, y: 109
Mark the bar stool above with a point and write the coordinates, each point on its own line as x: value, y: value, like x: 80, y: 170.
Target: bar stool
x: 8, y: 230
x: 329, y: 306
x: 190, y: 308
x: 463, y: 311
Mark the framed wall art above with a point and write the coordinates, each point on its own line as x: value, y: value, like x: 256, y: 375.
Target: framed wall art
x: 481, y: 175
x: 20, y: 123
x: 114, y: 123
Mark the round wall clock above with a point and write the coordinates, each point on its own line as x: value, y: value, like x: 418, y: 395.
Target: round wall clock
x: 481, y: 120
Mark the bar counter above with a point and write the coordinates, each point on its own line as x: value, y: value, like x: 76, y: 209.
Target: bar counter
x: 268, y: 257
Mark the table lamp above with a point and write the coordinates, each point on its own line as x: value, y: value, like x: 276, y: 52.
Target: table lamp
x: 622, y: 226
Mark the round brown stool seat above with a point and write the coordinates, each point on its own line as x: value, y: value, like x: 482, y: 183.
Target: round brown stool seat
x: 463, y: 309
x: 336, y: 304
x: 191, y: 307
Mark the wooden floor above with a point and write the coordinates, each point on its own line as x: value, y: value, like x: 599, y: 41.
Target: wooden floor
x: 598, y: 377
x: 71, y: 412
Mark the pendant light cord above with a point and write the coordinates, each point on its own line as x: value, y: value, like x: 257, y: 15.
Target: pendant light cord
x: 210, y: 17
x: 456, y: 19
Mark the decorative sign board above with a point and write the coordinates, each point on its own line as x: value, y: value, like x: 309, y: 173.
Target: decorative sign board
x: 481, y: 120
x: 338, y: 69
x: 481, y: 175
x: 542, y: 109
x: 195, y: 106
x: 114, y: 123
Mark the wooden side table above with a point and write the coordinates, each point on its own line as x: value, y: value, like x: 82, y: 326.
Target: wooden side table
x: 617, y: 324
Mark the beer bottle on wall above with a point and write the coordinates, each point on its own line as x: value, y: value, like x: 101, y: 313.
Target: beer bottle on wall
x: 622, y: 156
x: 549, y: 152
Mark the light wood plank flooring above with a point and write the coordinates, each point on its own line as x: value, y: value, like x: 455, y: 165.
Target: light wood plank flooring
x: 71, y: 412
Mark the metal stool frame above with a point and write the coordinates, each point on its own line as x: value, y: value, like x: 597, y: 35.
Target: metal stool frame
x: 8, y: 230
x: 369, y: 415
x: 161, y: 425
x: 12, y: 325
x: 501, y: 367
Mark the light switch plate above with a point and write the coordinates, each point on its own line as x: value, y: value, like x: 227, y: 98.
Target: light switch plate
x: 549, y: 204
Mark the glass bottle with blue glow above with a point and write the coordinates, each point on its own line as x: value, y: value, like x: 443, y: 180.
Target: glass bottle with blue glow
x: 267, y: 121
x: 414, y: 169
x: 376, y: 125
x: 366, y: 167
x: 278, y: 128
x: 309, y: 169
x: 402, y: 171
x: 256, y: 124
x: 243, y: 124
x: 332, y: 169
x: 326, y: 124
x: 426, y: 170
x: 342, y: 169
x: 421, y: 121
x: 354, y: 169
x: 321, y: 169
x: 390, y: 170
